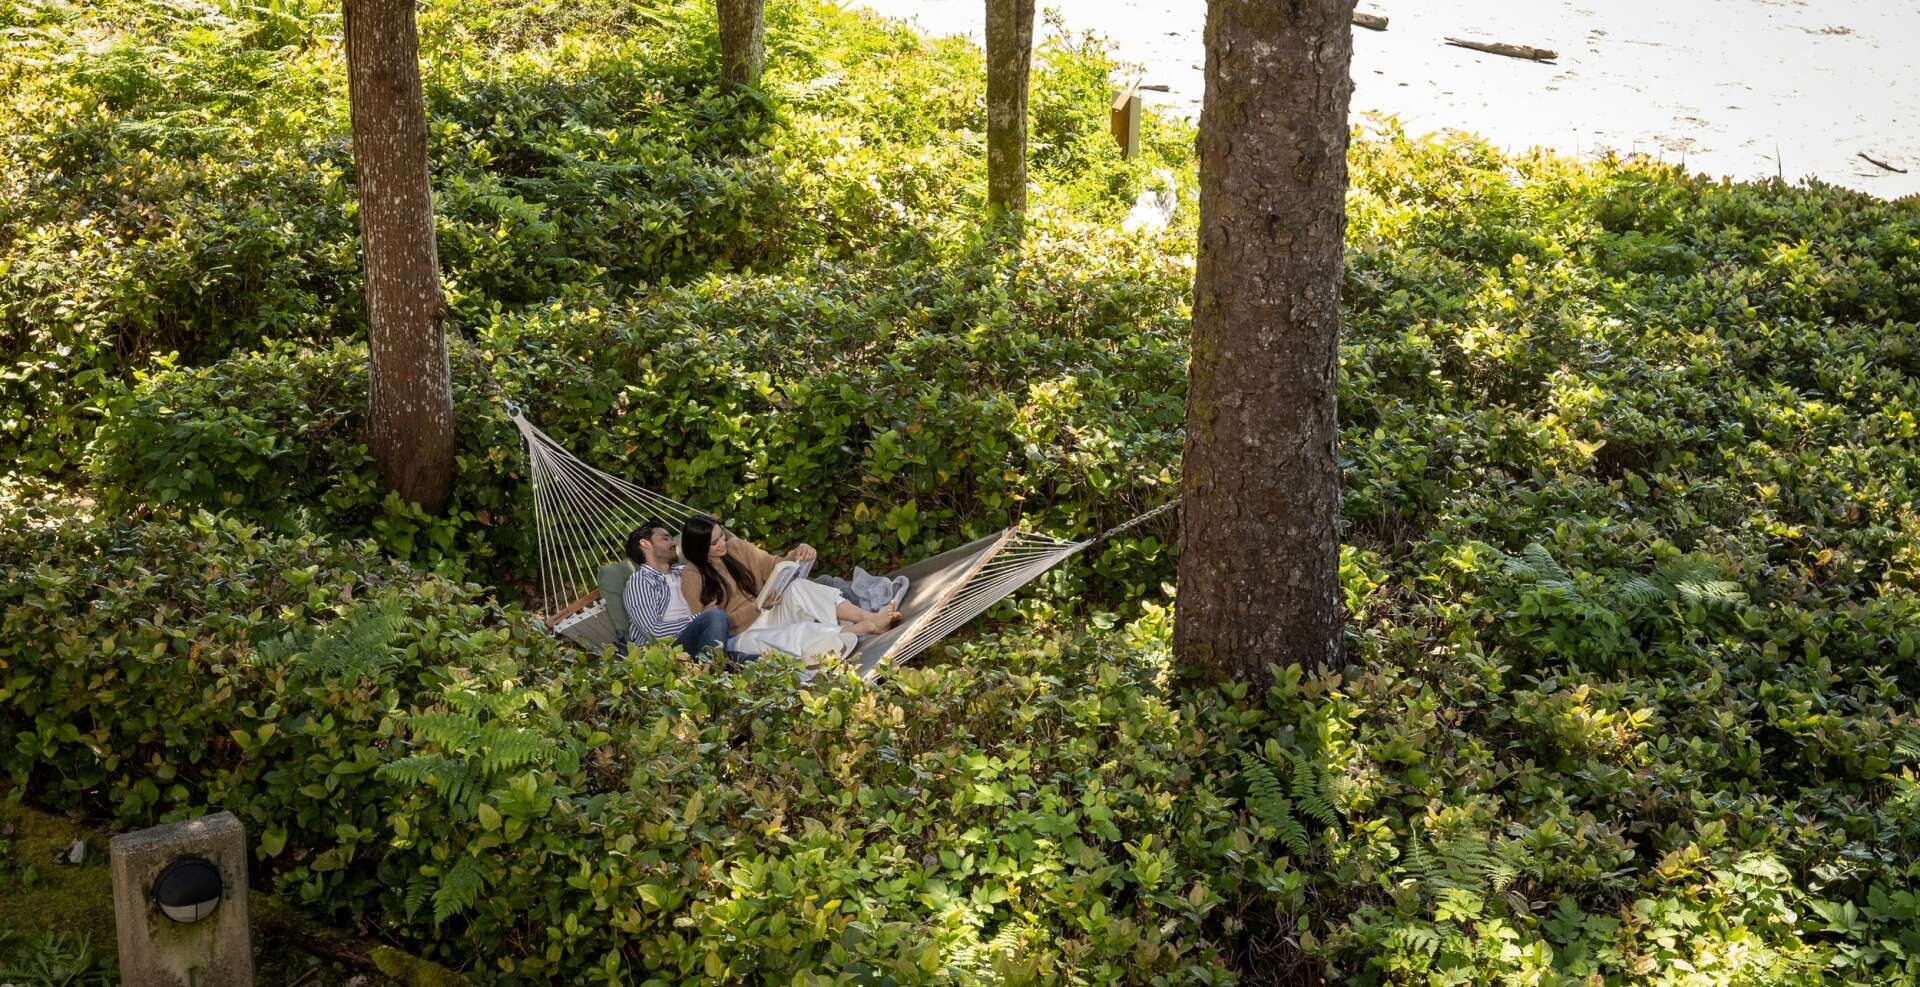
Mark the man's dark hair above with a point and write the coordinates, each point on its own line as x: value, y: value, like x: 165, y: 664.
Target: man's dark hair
x: 640, y: 535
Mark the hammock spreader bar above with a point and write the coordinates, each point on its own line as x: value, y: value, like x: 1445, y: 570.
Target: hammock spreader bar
x: 582, y: 516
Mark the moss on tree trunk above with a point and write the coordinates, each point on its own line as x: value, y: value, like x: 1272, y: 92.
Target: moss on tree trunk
x: 1009, y: 61
x: 743, y: 41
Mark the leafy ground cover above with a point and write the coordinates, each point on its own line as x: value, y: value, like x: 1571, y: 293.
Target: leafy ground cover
x: 1631, y: 530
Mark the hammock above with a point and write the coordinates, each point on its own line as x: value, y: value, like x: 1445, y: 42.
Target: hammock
x: 582, y: 516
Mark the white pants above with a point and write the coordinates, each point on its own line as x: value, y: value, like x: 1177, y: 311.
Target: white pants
x: 804, y: 624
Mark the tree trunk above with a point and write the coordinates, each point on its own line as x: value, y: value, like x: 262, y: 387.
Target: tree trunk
x: 1009, y: 58
x: 1259, y: 543
x: 743, y: 41
x: 410, y: 387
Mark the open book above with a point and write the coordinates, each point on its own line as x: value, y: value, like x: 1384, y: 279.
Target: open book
x: 782, y: 577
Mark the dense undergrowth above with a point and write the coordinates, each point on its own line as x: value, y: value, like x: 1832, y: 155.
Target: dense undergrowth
x: 1631, y: 557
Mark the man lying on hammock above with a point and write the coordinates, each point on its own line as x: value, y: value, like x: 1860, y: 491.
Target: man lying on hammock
x: 808, y: 619
x: 656, y: 607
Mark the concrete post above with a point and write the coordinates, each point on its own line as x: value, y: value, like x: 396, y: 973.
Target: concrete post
x: 158, y: 951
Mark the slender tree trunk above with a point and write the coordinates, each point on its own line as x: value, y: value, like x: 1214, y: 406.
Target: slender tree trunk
x: 1259, y: 543
x: 410, y: 389
x: 743, y: 41
x: 1009, y: 59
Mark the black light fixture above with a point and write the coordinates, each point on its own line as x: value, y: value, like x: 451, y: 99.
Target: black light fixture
x: 188, y: 890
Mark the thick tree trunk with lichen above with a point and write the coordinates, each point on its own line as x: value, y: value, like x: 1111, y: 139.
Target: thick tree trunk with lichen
x: 1259, y: 542
x: 1009, y: 61
x: 743, y: 41
x: 410, y: 428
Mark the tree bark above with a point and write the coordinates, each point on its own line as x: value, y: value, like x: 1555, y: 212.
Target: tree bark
x: 1259, y: 538
x: 410, y: 428
x: 743, y: 41
x: 1009, y: 61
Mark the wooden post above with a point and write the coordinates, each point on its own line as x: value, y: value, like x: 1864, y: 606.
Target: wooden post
x: 1125, y: 119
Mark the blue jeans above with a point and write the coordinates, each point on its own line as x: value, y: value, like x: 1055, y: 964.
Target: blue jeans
x: 707, y: 630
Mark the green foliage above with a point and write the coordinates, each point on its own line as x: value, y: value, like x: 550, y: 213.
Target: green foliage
x: 1047, y: 806
x: 593, y: 817
x: 178, y: 179
x: 935, y: 399
x: 1631, y: 551
x: 54, y: 959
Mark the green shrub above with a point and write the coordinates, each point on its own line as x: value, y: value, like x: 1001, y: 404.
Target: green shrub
x: 54, y: 959
x: 891, y: 411
x: 1631, y: 561
x: 179, y: 180
x: 1049, y: 806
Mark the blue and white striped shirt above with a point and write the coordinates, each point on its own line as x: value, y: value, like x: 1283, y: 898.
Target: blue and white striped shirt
x: 655, y: 606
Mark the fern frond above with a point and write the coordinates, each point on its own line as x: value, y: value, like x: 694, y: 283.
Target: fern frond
x: 1310, y: 793
x: 1418, y: 863
x: 510, y: 748
x: 459, y: 888
x: 1712, y: 592
x: 1269, y: 805
x: 1502, y: 875
x: 454, y: 780
x: 1006, y: 942
x: 1640, y: 590
x: 359, y: 645
x: 1293, y: 835
x: 417, y: 894
x: 1536, y: 564
x: 1467, y: 861
x: 1265, y: 798
x: 456, y: 732
x: 1688, y: 569
x: 1420, y: 939
x: 414, y: 769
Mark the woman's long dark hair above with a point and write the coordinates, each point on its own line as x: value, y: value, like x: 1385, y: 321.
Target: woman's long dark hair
x: 696, y: 543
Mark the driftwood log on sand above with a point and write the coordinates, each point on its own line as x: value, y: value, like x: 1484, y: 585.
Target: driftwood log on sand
x: 1372, y: 22
x: 1528, y: 52
x: 1870, y: 159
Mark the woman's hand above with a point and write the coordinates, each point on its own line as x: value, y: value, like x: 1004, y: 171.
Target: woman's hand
x: 802, y: 553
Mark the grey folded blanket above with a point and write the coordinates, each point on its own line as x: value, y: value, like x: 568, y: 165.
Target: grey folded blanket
x: 866, y: 590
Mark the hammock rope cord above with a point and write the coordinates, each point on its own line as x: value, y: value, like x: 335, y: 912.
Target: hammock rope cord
x: 582, y: 516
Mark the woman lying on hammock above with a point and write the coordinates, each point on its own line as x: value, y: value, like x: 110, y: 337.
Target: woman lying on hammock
x: 807, y: 620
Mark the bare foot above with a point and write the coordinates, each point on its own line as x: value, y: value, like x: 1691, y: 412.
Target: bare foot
x: 876, y: 623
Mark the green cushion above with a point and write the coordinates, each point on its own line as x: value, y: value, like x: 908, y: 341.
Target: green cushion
x: 613, y: 589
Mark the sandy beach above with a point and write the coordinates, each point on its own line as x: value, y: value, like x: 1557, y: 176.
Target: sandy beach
x: 1740, y: 88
